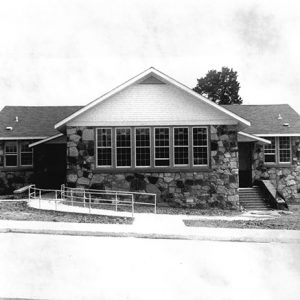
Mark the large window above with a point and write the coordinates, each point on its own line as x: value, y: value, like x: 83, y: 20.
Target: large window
x: 200, y: 146
x: 11, y: 154
x: 104, y: 147
x: 142, y: 147
x: 152, y: 147
x: 162, y: 147
x: 26, y: 154
x: 123, y: 147
x: 181, y: 146
x: 279, y: 151
x: 284, y: 149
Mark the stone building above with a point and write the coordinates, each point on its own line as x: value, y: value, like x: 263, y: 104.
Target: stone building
x: 153, y: 134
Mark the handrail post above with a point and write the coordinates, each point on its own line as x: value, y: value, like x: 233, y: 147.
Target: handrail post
x: 83, y: 198
x: 90, y: 200
x: 55, y: 200
x: 116, y: 201
x: 155, y: 203
x: 72, y: 197
x: 29, y: 192
x: 132, y: 205
x: 40, y: 197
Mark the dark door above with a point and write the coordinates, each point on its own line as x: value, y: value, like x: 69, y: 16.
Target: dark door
x: 50, y: 165
x: 245, y: 164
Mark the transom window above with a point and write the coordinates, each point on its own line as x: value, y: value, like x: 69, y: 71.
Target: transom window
x: 148, y: 147
x: 279, y: 151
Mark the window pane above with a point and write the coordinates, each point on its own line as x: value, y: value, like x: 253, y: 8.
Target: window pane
x: 181, y: 155
x: 200, y: 136
x: 143, y: 157
x: 284, y: 149
x: 162, y: 143
x: 123, y: 137
x: 181, y: 136
x: 104, y: 156
x: 11, y: 160
x: 284, y: 155
x: 162, y: 137
x: 142, y: 151
x: 200, y: 156
x: 26, y: 159
x: 270, y: 158
x: 142, y: 137
x: 10, y: 147
x: 200, y: 146
x: 123, y: 147
x: 123, y: 157
x: 104, y: 137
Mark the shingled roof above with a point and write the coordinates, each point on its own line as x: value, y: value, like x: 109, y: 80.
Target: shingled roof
x: 268, y: 119
x: 39, y: 121
x: 33, y: 121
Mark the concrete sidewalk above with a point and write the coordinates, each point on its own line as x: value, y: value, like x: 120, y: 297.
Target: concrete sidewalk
x: 153, y: 226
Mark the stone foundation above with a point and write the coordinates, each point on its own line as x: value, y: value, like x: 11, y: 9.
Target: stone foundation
x: 12, y: 180
x: 215, y: 186
x: 286, y: 179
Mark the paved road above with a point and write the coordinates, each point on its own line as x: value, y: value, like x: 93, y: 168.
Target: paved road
x: 49, y: 266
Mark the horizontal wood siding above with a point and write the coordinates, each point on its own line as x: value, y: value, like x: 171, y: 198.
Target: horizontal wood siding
x: 152, y: 104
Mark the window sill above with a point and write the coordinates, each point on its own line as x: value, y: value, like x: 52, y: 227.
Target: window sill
x: 13, y: 169
x: 281, y: 165
x: 151, y: 170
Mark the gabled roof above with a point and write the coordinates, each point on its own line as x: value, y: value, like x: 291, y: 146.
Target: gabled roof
x: 34, y: 122
x: 152, y: 72
x: 268, y: 120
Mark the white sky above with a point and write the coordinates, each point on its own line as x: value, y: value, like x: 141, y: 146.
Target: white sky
x: 64, y: 52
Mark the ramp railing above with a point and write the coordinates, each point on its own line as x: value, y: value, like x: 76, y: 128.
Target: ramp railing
x: 94, y: 199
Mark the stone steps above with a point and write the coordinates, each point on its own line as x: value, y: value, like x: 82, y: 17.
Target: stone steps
x: 253, y: 199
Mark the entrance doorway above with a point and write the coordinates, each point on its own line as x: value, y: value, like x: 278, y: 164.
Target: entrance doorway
x: 50, y: 165
x: 245, y: 164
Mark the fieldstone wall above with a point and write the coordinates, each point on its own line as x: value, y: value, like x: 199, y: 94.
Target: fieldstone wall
x: 286, y: 179
x: 215, y: 186
x: 12, y: 180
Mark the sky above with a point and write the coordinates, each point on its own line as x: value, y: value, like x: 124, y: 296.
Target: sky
x: 64, y: 52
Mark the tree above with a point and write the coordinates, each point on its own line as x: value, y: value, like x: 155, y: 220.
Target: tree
x: 221, y: 87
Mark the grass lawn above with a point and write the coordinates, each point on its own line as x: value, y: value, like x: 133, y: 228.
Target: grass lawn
x: 285, y: 221
x: 20, y: 211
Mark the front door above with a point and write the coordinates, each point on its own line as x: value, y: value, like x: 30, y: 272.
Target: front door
x: 245, y: 164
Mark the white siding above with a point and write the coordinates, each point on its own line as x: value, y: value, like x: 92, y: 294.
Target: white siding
x: 151, y: 104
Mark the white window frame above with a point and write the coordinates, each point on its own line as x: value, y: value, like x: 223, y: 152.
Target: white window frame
x: 180, y: 146
x: 207, y: 146
x: 277, y: 151
x: 11, y: 154
x: 154, y: 150
x: 135, y: 147
x: 23, y: 152
x: 116, y: 148
x: 290, y: 150
x: 111, y: 147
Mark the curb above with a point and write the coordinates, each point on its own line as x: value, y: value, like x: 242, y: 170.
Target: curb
x: 246, y: 239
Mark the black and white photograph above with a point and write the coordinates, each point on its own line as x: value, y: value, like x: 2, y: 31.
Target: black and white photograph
x: 150, y: 149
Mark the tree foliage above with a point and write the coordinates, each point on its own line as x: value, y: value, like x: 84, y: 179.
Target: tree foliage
x: 221, y: 87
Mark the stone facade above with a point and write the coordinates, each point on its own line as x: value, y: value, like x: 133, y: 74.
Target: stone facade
x: 215, y: 186
x: 286, y: 179
x: 12, y: 180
